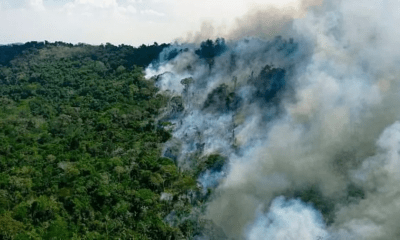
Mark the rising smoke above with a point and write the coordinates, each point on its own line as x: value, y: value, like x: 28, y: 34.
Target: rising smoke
x: 309, y: 125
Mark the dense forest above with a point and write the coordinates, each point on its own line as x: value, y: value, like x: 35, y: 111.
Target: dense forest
x: 80, y: 145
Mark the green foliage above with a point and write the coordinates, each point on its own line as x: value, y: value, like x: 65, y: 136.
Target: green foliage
x: 58, y: 229
x: 219, y: 99
x: 212, y: 162
x: 9, y: 228
x: 80, y: 146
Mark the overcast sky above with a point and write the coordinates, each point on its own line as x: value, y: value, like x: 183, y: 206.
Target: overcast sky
x: 132, y: 22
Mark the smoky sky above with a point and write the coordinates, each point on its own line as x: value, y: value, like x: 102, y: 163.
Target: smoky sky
x: 133, y: 22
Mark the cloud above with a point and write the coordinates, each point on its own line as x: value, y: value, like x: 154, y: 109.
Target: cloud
x: 89, y: 21
x: 154, y: 20
x: 36, y: 5
x: 131, y: 9
x: 97, y: 3
x: 152, y: 12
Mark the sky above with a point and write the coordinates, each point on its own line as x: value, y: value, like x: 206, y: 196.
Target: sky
x: 132, y: 22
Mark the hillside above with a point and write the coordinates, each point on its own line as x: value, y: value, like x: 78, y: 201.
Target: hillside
x: 80, y: 145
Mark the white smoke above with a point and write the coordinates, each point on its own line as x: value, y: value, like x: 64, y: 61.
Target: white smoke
x: 333, y: 128
x: 288, y: 220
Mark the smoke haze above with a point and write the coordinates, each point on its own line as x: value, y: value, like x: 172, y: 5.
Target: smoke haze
x: 309, y: 125
x: 262, y: 21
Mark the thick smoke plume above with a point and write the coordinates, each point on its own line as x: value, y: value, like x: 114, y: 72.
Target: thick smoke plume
x: 308, y: 124
x: 288, y: 220
x: 262, y: 21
